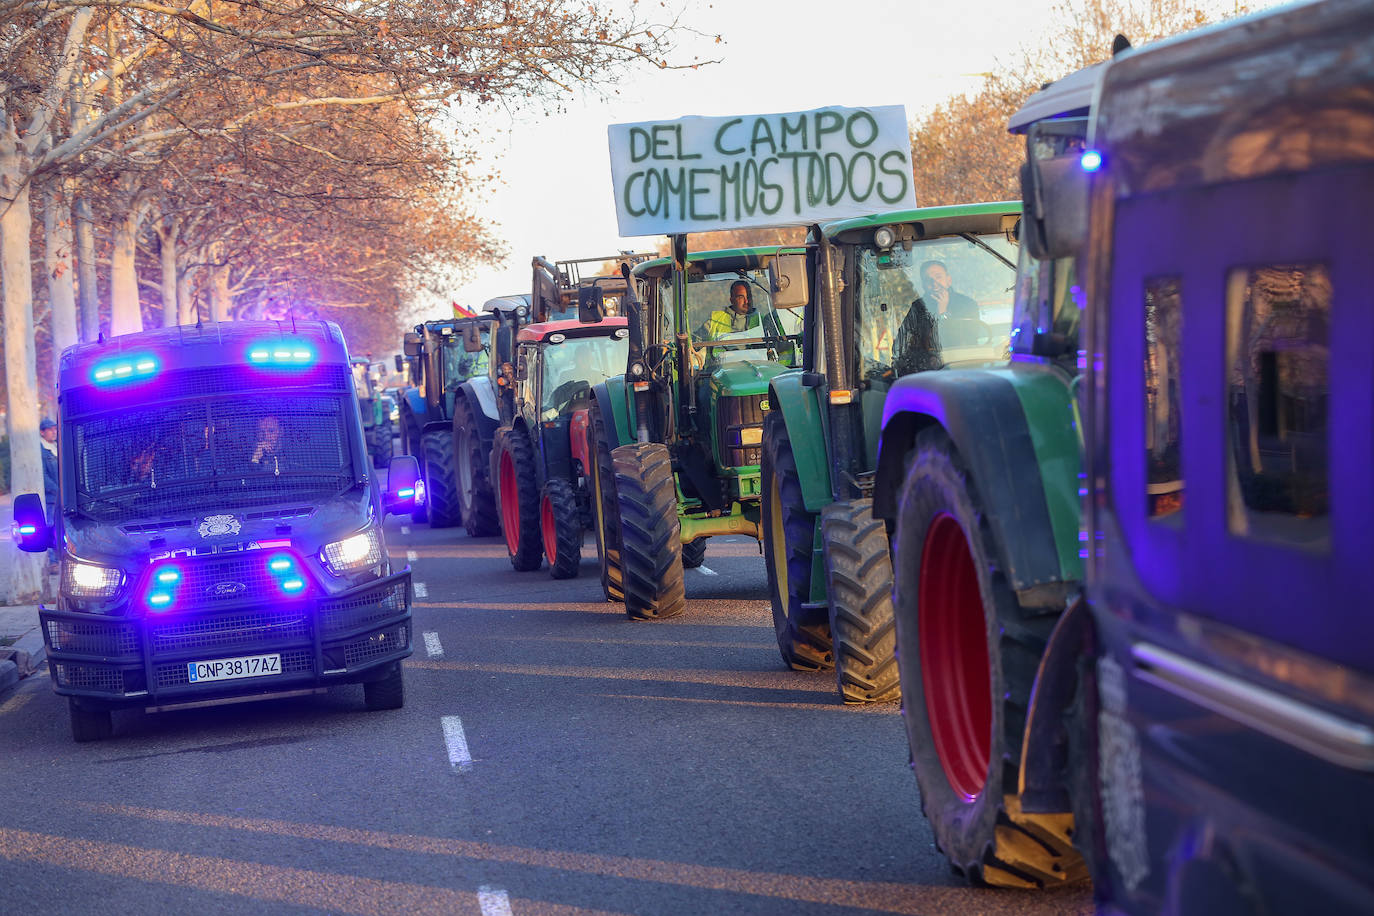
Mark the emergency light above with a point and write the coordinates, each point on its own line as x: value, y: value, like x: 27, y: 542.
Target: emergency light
x: 1091, y: 160
x: 281, y: 353
x: 129, y: 368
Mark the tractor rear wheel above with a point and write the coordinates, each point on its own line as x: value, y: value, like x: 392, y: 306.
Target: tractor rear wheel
x: 694, y: 553
x: 605, y: 512
x: 475, y: 494
x: 440, y: 496
x: 651, y: 548
x: 560, y: 521
x: 517, y: 492
x: 803, y: 632
x: 968, y: 655
x: 858, y: 578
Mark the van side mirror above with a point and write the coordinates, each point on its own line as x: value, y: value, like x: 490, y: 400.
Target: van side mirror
x: 591, y: 304
x: 787, y: 281
x: 1054, y: 191
x: 403, y: 487
x: 30, y: 529
x: 472, y: 338
x: 413, y: 345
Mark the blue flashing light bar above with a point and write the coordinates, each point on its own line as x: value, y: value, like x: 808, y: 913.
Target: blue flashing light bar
x: 159, y: 599
x: 1091, y: 160
x: 26, y: 530
x: 291, y: 586
x: 406, y: 493
x: 280, y: 564
x: 281, y: 353
x: 168, y: 576
x: 128, y: 368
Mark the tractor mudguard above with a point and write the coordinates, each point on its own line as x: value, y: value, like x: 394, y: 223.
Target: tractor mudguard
x: 415, y: 403
x: 611, y: 397
x: 478, y: 395
x: 804, y: 419
x: 579, y: 440
x: 1016, y: 456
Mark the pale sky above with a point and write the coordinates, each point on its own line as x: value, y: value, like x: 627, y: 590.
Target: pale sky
x: 556, y: 199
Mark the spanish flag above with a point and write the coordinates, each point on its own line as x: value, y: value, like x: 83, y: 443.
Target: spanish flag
x: 461, y: 312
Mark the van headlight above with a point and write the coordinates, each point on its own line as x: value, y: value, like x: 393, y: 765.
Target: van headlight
x: 353, y: 553
x: 89, y: 580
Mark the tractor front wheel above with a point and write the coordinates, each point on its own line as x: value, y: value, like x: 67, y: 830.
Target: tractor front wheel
x: 440, y: 495
x: 651, y: 545
x: 475, y: 494
x: 858, y: 576
x: 605, y: 512
x: 560, y: 521
x: 517, y: 493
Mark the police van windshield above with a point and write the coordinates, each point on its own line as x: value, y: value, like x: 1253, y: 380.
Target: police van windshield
x: 941, y: 302
x: 250, y: 449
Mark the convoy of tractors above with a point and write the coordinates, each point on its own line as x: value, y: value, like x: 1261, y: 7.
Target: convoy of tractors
x: 1058, y: 474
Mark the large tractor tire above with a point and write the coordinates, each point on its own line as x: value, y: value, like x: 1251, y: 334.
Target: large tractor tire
x: 517, y: 493
x: 475, y: 494
x: 605, y: 513
x: 380, y: 440
x: 968, y: 655
x: 694, y: 553
x: 89, y: 724
x: 803, y: 631
x: 560, y: 521
x: 651, y: 546
x: 441, y: 496
x: 858, y: 579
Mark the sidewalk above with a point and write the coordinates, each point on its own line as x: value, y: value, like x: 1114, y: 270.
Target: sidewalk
x: 21, y: 639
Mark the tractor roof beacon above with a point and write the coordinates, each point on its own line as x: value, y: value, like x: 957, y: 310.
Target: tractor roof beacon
x: 218, y: 525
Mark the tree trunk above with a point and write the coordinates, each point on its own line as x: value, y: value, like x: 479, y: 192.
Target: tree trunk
x: 187, y: 309
x: 59, y: 257
x: 125, y: 315
x: 88, y: 286
x: 167, y: 249
x: 16, y: 281
x: 221, y: 303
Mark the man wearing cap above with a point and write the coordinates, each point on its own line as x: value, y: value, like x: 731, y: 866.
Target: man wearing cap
x: 47, y: 434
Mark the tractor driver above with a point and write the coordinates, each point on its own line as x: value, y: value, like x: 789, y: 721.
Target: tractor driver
x: 739, y: 317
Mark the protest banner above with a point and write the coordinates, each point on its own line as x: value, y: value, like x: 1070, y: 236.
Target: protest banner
x: 702, y: 173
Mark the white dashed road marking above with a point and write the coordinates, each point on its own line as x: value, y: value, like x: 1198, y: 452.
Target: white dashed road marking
x: 421, y: 590
x: 433, y: 646
x: 706, y: 571
x: 411, y: 556
x: 457, y: 746
x: 493, y: 901
x: 405, y: 529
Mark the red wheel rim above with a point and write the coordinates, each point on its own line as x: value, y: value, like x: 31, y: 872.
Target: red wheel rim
x: 510, y: 503
x: 955, y: 672
x: 547, y: 526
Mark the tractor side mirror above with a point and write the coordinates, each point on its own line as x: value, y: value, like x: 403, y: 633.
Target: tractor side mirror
x: 414, y: 344
x: 472, y: 338
x: 403, y: 487
x: 591, y: 304
x: 30, y: 530
x: 787, y: 281
x: 1054, y: 191
x: 400, y: 363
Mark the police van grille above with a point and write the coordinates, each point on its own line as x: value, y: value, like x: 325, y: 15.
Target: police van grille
x: 176, y: 675
x: 375, y: 604
x: 92, y: 637
x: 375, y: 645
x: 226, y: 631
x: 738, y: 411
x: 104, y: 678
x: 239, y: 577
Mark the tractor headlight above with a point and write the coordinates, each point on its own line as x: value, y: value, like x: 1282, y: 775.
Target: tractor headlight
x: 88, y: 580
x: 353, y: 553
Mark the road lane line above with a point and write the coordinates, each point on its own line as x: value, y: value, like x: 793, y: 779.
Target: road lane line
x: 411, y: 556
x: 421, y: 590
x: 493, y: 901
x: 15, y: 702
x: 706, y: 571
x: 405, y: 529
x: 457, y: 743
x: 433, y: 646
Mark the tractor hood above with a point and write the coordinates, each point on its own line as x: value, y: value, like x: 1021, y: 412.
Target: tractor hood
x: 744, y: 377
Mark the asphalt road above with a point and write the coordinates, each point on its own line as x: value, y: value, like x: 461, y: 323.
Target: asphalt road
x: 553, y: 757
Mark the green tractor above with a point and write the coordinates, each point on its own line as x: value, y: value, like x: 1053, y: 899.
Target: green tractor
x: 897, y: 293
x: 677, y: 439
x: 442, y: 356
x: 375, y: 408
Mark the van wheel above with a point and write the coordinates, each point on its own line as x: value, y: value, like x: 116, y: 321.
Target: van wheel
x: 518, y: 496
x: 967, y: 654
x: 858, y: 576
x: 388, y: 691
x: 560, y: 521
x: 605, y: 513
x: 694, y: 553
x: 650, y: 532
x: 788, y: 530
x: 89, y: 724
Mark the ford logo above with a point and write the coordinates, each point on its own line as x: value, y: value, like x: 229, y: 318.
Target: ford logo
x: 226, y: 589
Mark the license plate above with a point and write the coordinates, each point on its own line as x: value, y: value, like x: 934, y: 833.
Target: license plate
x: 229, y: 669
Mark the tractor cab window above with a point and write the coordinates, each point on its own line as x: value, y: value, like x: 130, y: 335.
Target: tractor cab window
x: 731, y: 316
x: 459, y: 364
x: 572, y: 366
x: 940, y: 302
